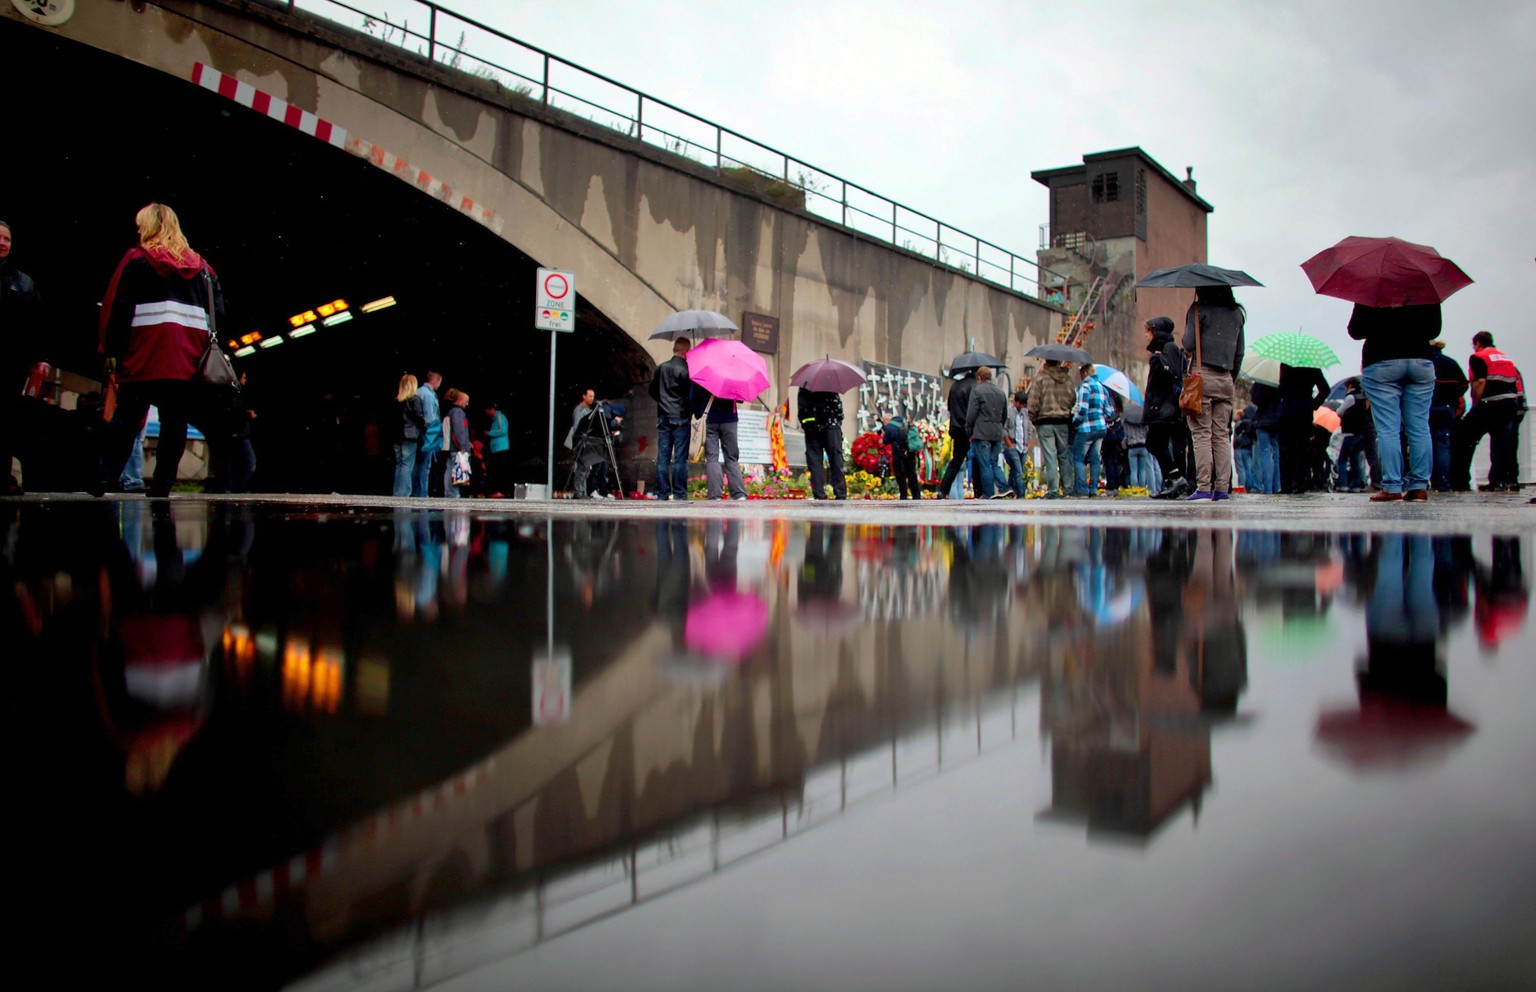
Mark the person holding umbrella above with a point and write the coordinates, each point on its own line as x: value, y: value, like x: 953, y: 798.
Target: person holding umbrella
x: 1399, y: 379
x: 670, y: 388
x: 821, y: 418
x: 960, y: 450
x: 1213, y: 331
x: 723, y: 373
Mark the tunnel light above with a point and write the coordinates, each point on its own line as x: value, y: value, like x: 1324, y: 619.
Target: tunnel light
x: 271, y: 342
x: 232, y: 344
x: 249, y: 349
x: 340, y: 318
x: 379, y: 304
x: 338, y: 304
x: 304, y: 331
x: 251, y: 338
x: 325, y: 309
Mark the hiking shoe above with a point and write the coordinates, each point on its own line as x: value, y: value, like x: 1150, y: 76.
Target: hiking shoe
x: 1199, y: 496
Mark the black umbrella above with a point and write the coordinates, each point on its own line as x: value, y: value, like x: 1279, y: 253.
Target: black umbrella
x: 1195, y: 275
x: 1059, y: 353
x: 973, y: 360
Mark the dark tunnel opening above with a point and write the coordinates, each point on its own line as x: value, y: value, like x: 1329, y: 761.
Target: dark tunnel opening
x: 289, y: 222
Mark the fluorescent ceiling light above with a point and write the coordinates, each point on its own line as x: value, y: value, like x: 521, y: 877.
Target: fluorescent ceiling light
x: 303, y: 331
x: 249, y: 349
x: 380, y: 304
x: 340, y: 318
x: 271, y: 342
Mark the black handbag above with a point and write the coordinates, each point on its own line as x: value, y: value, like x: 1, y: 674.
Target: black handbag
x: 215, y: 368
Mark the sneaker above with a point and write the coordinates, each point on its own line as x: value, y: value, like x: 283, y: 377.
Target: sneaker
x: 739, y: 499
x: 1218, y: 495
x: 1053, y: 494
x: 1002, y: 494
x: 1199, y: 496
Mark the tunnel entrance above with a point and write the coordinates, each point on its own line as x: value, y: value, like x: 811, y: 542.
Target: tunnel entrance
x: 289, y: 223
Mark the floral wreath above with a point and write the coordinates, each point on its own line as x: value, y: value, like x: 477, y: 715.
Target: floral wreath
x: 866, y: 451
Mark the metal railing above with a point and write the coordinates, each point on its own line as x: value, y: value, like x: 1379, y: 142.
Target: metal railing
x: 524, y: 71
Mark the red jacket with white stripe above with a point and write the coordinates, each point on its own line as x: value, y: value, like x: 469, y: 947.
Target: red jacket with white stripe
x: 154, y: 318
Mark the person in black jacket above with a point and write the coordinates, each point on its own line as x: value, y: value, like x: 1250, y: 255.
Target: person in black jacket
x: 1167, y: 434
x: 670, y: 388
x: 821, y: 417
x: 1265, y: 421
x: 1302, y: 391
x: 959, y: 400
x: 21, y: 346
x: 1445, y: 409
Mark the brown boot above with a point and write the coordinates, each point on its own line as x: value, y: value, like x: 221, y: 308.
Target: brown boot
x: 1386, y: 497
x: 1417, y: 496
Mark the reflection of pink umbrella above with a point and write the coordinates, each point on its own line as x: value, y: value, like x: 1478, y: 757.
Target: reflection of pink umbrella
x: 1386, y: 733
x: 728, y: 369
x: 726, y: 626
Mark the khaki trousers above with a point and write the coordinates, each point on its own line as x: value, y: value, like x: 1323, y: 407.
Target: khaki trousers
x: 1211, y: 433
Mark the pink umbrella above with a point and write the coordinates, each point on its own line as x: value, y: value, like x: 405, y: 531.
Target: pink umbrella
x: 728, y: 369
x: 726, y: 626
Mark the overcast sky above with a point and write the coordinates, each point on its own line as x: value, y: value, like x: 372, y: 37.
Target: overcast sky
x: 1305, y: 122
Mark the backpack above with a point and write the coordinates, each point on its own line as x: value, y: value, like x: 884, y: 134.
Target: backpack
x: 914, y: 438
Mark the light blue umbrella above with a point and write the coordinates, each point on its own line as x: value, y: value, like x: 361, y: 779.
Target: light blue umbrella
x: 1118, y: 382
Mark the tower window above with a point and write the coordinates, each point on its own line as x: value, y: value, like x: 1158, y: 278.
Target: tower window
x: 1106, y: 187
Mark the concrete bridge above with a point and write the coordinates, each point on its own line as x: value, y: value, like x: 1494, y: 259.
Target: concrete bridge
x: 313, y: 161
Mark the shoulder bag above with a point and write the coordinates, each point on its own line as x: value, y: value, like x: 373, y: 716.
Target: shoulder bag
x: 697, y: 430
x: 214, y: 368
x: 1192, y: 396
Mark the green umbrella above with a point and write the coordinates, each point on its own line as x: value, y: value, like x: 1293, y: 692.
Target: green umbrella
x: 1294, y: 348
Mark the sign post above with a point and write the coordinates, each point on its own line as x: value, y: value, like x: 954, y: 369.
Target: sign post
x: 554, y: 310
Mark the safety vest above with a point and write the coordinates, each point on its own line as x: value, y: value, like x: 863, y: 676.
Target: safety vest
x: 1503, y: 380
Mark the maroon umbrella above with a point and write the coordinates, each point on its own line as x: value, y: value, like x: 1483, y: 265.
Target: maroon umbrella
x: 1384, y: 272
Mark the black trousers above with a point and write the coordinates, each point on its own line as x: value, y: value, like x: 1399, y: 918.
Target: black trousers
x: 957, y: 459
x: 179, y: 403
x: 1169, y: 443
x: 826, y: 440
x: 904, y: 467
x: 1499, y: 421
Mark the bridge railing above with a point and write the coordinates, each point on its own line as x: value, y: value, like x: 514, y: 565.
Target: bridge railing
x: 529, y: 73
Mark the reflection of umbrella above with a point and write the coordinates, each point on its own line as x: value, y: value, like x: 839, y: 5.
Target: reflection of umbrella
x: 1387, y: 732
x: 726, y: 626
x: 1058, y: 353
x: 1120, y: 606
x: 1196, y: 275
x: 1117, y: 381
x: 1261, y: 369
x: 728, y: 369
x: 972, y: 360
x: 1296, y: 349
x: 694, y: 324
x: 1384, y: 272
x: 827, y: 375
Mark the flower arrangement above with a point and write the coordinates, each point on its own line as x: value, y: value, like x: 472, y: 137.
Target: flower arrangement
x: 866, y: 485
x: 866, y: 450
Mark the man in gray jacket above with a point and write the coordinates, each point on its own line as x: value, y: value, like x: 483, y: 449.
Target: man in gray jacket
x: 985, y: 415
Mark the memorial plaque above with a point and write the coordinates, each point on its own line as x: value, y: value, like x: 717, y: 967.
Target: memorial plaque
x: 760, y: 332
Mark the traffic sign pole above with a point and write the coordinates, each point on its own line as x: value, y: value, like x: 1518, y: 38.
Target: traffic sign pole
x: 555, y: 311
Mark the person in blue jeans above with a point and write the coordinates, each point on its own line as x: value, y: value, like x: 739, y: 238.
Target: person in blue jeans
x: 1399, y: 379
x: 431, y: 434
x: 1090, y: 420
x: 986, y: 415
x: 1016, y: 443
x: 671, y: 388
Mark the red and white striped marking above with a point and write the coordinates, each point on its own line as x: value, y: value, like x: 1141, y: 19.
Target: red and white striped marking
x: 247, y: 95
x: 280, y: 110
x: 255, y: 895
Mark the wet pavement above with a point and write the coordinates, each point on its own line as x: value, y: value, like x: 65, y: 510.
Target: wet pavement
x: 377, y: 744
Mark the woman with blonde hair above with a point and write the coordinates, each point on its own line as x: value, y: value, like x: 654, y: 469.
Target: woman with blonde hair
x: 156, y: 319
x: 408, y: 435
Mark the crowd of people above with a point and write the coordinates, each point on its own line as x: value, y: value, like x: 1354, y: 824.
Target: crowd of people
x: 1410, y: 422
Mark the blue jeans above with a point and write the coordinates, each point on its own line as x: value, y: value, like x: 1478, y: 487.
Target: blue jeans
x: 1242, y: 466
x: 1015, y: 459
x: 1085, y: 448
x: 1400, y: 391
x: 405, y: 467
x: 424, y: 456
x: 1266, y: 461
x: 1144, y: 473
x: 672, y: 435
x: 1351, y: 465
x: 985, y: 453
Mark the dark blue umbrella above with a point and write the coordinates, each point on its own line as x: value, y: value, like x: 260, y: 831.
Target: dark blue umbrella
x: 1195, y: 275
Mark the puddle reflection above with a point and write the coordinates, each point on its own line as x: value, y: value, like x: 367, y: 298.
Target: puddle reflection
x: 265, y: 735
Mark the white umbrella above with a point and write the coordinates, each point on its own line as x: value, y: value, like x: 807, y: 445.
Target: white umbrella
x: 1261, y: 369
